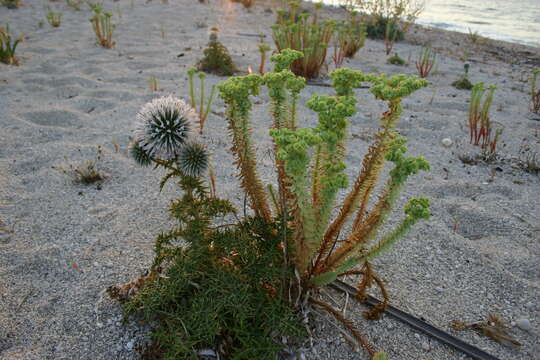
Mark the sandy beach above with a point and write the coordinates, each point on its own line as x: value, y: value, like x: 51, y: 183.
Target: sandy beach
x: 62, y: 244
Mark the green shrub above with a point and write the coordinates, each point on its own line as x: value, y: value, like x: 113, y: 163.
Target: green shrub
x: 396, y: 60
x: 377, y: 30
x: 216, y: 58
x: 463, y: 82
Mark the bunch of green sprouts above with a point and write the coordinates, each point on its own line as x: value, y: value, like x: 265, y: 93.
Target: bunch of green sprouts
x: 426, y: 61
x: 535, y: 92
x: 103, y: 28
x: 310, y: 172
x: 8, y: 46
x: 202, y: 108
x: 54, y: 18
x: 480, y: 125
x: 349, y: 38
x: 296, y: 31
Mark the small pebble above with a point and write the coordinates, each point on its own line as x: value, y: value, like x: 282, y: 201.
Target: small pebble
x: 130, y: 345
x: 524, y: 324
x: 447, y: 142
x: 425, y: 346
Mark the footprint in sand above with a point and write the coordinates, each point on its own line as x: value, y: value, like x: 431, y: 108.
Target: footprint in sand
x: 62, y: 81
x: 92, y: 106
x: 59, y: 118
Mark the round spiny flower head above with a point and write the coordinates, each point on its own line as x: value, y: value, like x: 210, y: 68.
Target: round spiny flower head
x: 193, y: 159
x: 163, y: 127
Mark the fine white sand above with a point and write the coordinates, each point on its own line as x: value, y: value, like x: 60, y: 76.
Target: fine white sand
x: 62, y: 244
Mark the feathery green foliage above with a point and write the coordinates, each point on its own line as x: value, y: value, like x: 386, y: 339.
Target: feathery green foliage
x: 216, y: 58
x: 217, y: 286
x: 8, y: 46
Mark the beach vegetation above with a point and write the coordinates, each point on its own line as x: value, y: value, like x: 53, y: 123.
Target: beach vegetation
x: 238, y: 286
x: 247, y: 3
x: 8, y: 46
x: 481, y: 128
x: 389, y: 19
x: 463, y: 82
x: 153, y: 83
x: 54, y: 18
x: 396, y: 60
x: 474, y: 37
x: 529, y: 160
x: 425, y: 61
x: 74, y: 4
x: 103, y: 27
x: 11, y: 4
x: 263, y: 49
x: 535, y: 92
x: 310, y: 172
x: 305, y: 33
x: 216, y: 59
x: 204, y: 105
x: 87, y: 172
x: 353, y: 35
x: 349, y: 38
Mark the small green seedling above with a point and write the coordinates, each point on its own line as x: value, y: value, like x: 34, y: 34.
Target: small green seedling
x: 425, y: 61
x: 8, y: 46
x: 203, y: 107
x: 54, y: 18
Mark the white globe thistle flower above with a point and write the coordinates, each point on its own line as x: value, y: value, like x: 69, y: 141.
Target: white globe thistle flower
x: 163, y: 127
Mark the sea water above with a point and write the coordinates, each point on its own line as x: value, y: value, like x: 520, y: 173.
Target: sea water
x: 510, y: 20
